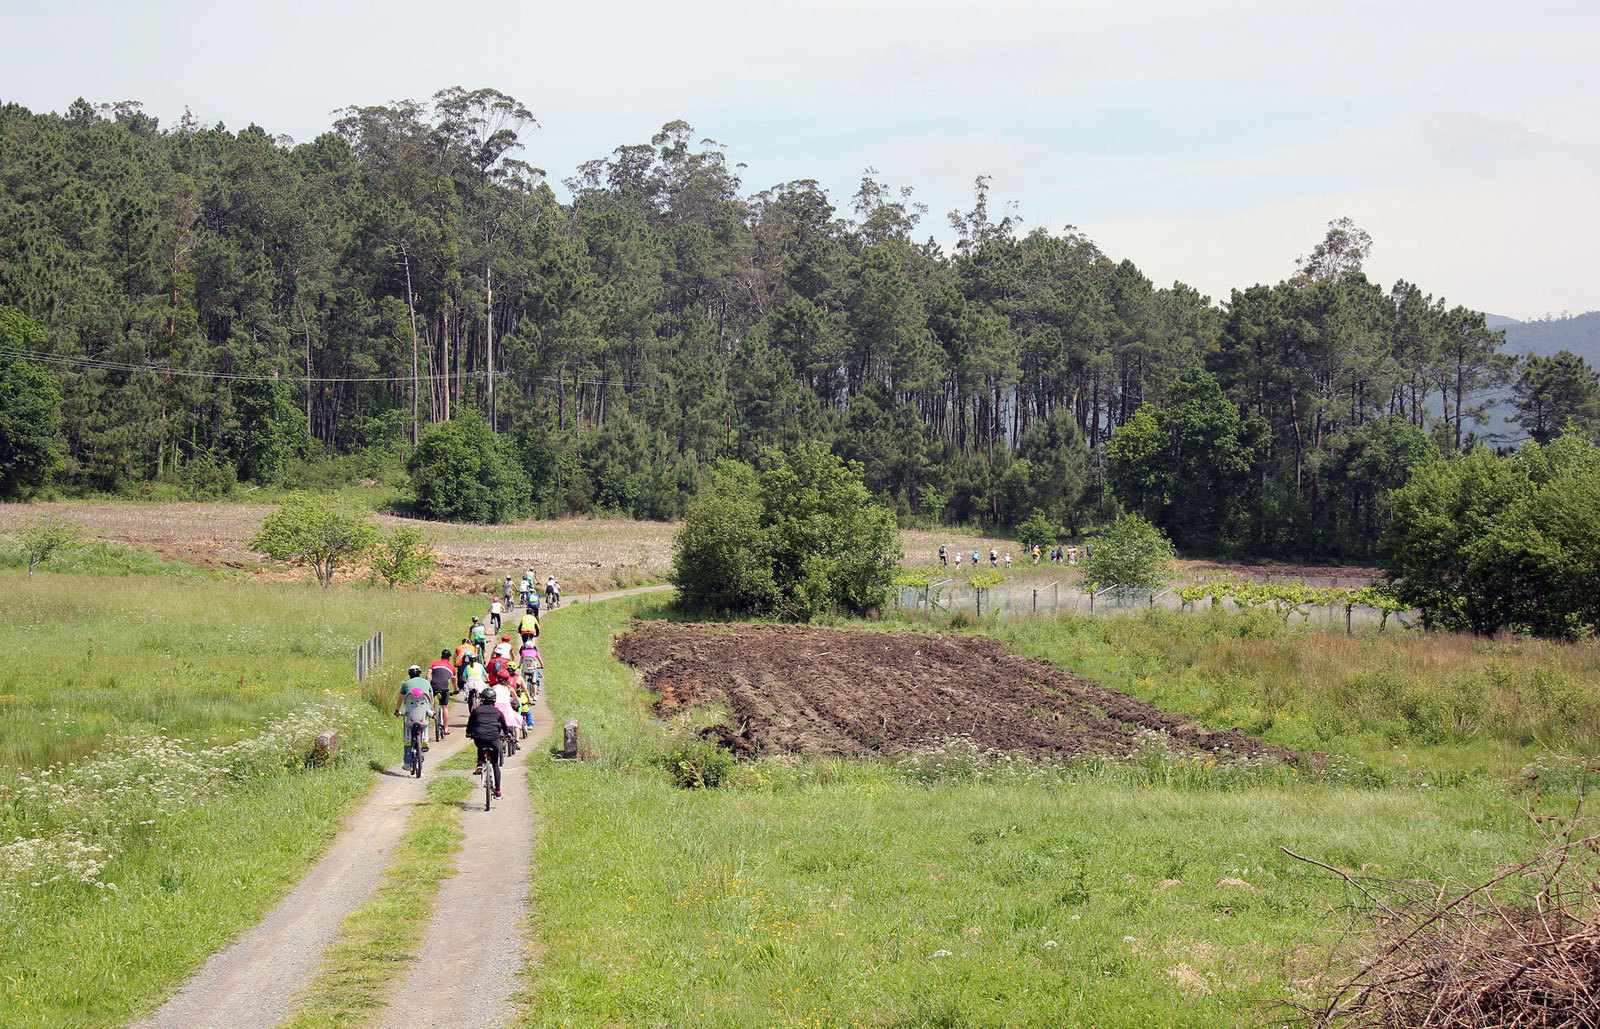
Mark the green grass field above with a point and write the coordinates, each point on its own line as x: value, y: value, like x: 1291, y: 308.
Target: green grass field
x: 838, y: 893
x: 152, y: 796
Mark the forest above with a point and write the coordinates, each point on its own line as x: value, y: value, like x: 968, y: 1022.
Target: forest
x: 193, y: 306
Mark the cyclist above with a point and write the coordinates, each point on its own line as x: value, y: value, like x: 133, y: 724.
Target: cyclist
x: 528, y: 628
x: 529, y: 590
x: 532, y: 666
x: 472, y: 681
x: 494, y: 615
x: 524, y: 707
x: 479, y: 633
x: 442, y: 675
x: 415, y: 707
x: 499, y: 671
x: 505, y: 592
x: 464, y: 651
x: 551, y: 594
x: 484, y: 726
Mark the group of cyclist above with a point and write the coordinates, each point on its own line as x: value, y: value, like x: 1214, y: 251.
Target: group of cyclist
x: 502, y: 681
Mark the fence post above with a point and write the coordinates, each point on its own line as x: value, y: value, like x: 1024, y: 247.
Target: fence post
x: 1055, y: 597
x: 977, y: 596
x: 380, y: 646
x: 1036, y: 600
x: 1091, y: 600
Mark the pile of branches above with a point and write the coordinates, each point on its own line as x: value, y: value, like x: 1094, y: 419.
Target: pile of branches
x: 1519, y: 949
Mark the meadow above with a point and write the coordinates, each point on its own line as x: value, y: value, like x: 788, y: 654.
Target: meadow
x: 153, y: 794
x: 959, y: 888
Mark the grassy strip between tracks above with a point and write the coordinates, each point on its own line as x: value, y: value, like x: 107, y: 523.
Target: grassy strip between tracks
x: 824, y: 892
x: 378, y: 940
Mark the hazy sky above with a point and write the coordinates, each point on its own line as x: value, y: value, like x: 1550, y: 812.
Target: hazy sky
x: 1208, y: 141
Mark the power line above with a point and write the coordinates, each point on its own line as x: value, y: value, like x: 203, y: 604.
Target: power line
x: 103, y: 364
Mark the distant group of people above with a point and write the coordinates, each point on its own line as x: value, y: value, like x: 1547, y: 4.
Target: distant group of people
x: 1057, y: 555
x: 502, y: 679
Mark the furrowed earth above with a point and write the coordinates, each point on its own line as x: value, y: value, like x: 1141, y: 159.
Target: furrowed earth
x: 799, y: 690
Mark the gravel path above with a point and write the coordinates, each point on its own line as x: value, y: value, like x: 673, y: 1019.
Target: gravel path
x: 481, y: 909
x: 251, y: 983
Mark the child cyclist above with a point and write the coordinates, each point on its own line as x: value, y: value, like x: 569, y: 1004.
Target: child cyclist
x: 524, y: 707
x: 532, y: 667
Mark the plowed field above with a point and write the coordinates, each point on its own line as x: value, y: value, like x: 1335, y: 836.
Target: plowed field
x: 801, y: 690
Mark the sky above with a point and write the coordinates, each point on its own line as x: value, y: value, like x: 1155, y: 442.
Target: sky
x: 1208, y: 141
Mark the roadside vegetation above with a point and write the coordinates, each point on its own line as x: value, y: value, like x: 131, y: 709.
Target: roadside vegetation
x: 959, y: 887
x: 158, y: 800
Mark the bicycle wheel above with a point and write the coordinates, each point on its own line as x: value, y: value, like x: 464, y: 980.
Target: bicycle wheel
x: 488, y: 785
x: 416, y: 751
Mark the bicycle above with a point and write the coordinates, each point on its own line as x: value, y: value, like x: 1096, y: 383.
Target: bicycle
x: 488, y: 775
x: 508, y: 744
x: 438, y: 722
x: 418, y: 730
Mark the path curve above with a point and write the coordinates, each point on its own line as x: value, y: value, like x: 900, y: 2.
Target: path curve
x: 246, y: 984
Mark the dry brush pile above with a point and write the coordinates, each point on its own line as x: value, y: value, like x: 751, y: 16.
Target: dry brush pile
x: 1521, y: 948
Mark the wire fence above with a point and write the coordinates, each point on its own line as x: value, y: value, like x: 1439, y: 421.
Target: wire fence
x: 1055, y: 599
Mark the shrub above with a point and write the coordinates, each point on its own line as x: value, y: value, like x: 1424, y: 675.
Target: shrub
x: 313, y: 531
x: 206, y: 477
x: 1132, y: 554
x: 697, y: 764
x: 403, y: 556
x: 462, y: 471
x: 41, y: 541
x: 1037, y: 531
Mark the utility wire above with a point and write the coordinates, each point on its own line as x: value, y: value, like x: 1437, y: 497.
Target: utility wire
x: 103, y: 364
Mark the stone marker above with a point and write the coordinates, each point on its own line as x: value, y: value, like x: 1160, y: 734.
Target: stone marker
x: 569, y: 740
x: 324, y: 750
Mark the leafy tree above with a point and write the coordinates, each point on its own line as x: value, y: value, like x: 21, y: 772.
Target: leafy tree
x: 45, y: 539
x: 721, y: 557
x: 30, y: 412
x: 403, y: 556
x: 1133, y: 554
x: 1185, y: 465
x: 1551, y: 391
x: 463, y: 471
x: 314, y: 531
x: 798, y: 538
x: 268, y: 431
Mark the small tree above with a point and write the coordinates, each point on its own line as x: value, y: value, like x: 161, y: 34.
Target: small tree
x: 1133, y: 554
x: 1037, y: 531
x: 30, y: 412
x: 311, y: 530
x: 40, y: 542
x: 403, y: 556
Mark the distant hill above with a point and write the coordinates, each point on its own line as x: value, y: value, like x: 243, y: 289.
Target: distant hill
x: 1579, y: 333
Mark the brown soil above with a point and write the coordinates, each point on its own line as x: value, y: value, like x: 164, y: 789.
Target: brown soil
x: 801, y: 690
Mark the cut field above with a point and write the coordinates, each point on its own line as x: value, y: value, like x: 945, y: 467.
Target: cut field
x: 794, y: 690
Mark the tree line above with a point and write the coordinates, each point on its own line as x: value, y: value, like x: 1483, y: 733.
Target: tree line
x: 214, y: 304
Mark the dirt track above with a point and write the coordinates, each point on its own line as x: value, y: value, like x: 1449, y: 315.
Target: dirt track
x: 821, y: 691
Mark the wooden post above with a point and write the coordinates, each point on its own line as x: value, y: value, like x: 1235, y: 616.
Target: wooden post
x: 1036, y: 601
x: 977, y: 596
x: 569, y: 740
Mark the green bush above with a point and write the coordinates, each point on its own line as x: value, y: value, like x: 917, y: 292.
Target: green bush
x: 206, y: 477
x: 697, y: 764
x: 403, y: 556
x: 1486, y: 543
x: 1037, y: 531
x: 1133, y: 554
x: 30, y: 412
x: 316, y: 532
x: 462, y: 471
x: 798, y: 539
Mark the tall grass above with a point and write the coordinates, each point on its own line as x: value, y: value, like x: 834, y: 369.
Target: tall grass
x: 1450, y: 700
x: 943, y: 891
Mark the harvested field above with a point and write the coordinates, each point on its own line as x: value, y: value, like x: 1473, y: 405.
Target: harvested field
x: 801, y: 690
